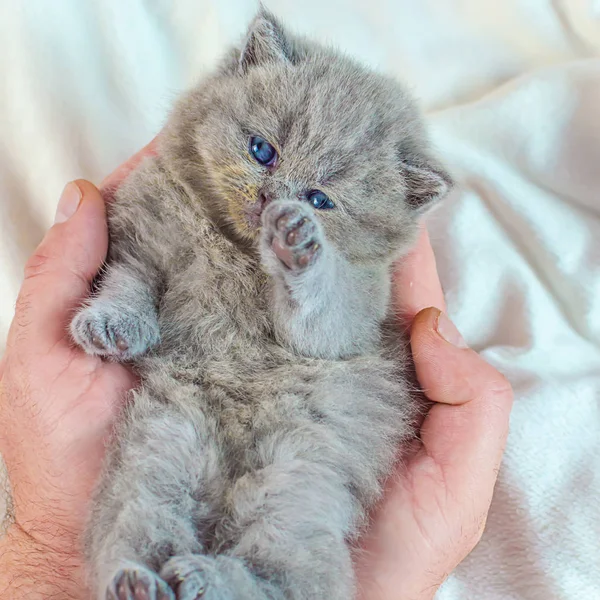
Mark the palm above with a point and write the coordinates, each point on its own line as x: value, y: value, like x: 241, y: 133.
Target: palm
x: 73, y: 402
x: 435, y: 506
x: 416, y: 522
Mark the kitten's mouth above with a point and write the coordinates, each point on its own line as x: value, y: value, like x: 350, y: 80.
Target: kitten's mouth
x: 254, y: 212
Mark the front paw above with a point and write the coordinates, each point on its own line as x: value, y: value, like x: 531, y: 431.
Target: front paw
x: 112, y: 331
x: 291, y: 231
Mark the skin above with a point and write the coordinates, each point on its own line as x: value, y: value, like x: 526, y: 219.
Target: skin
x: 57, y: 406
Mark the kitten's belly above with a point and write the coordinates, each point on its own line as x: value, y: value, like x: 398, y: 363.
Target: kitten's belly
x: 248, y: 401
x: 243, y: 395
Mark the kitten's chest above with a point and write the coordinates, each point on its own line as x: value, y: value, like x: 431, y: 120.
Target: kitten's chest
x: 214, y: 301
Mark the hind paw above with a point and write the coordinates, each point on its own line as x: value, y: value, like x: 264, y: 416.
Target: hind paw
x: 138, y: 583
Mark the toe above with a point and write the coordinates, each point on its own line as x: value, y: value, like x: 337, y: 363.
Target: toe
x: 97, y: 342
x: 308, y: 255
x: 138, y: 584
x: 283, y: 223
x: 140, y: 591
x: 283, y: 253
x: 298, y: 232
x: 120, y: 588
x: 122, y: 344
x: 185, y: 574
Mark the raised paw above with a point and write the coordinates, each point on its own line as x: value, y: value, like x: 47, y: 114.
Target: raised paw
x: 293, y: 233
x: 138, y: 583
x: 114, y: 332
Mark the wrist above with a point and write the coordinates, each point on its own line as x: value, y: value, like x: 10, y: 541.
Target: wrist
x: 34, y: 571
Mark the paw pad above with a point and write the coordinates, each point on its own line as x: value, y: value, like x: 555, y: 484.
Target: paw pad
x: 138, y: 583
x: 294, y: 234
x: 112, y: 331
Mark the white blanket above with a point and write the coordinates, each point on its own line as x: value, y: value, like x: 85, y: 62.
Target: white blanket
x: 513, y: 92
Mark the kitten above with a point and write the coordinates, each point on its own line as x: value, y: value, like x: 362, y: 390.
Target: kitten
x: 248, y: 280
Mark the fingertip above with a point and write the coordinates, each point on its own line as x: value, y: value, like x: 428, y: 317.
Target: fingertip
x: 424, y: 321
x: 82, y: 239
x: 79, y: 199
x: 92, y: 205
x: 65, y: 262
x: 447, y: 369
x: 89, y: 191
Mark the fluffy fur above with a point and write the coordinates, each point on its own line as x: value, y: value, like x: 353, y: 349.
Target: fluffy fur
x: 271, y: 406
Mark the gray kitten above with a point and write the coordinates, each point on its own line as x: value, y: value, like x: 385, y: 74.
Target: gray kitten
x: 248, y: 281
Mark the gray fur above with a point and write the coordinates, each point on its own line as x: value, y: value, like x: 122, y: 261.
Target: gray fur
x: 275, y: 394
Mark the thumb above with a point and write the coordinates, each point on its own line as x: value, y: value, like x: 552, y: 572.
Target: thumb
x: 465, y: 431
x: 58, y: 274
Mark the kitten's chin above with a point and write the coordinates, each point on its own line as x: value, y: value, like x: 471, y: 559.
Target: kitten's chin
x: 241, y: 227
x: 252, y: 215
x: 244, y: 215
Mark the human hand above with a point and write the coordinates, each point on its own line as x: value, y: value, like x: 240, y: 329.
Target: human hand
x: 435, y: 506
x: 57, y: 404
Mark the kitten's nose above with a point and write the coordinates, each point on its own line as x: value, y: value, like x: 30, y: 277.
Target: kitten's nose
x: 265, y: 198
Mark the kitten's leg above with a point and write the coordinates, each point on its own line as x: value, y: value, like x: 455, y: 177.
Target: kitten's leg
x: 322, y: 305
x: 120, y: 320
x: 158, y: 497
x: 286, y: 529
x: 287, y: 523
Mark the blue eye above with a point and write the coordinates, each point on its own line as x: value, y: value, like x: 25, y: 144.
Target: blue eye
x: 320, y: 200
x: 262, y: 151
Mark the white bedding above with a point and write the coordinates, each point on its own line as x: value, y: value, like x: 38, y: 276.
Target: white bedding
x: 512, y: 89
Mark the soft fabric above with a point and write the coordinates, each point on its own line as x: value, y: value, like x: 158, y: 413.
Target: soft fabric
x: 512, y: 90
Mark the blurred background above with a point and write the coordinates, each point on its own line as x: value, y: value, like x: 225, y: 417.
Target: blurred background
x: 511, y: 90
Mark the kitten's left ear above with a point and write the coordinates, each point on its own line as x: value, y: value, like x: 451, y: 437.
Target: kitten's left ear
x: 426, y: 182
x: 266, y: 42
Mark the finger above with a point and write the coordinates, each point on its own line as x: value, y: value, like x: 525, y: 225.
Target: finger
x: 449, y: 371
x: 416, y: 281
x: 112, y: 181
x: 465, y: 432
x: 59, y: 273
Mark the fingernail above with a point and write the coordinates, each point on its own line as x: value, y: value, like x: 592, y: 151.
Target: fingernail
x: 69, y: 202
x: 446, y: 328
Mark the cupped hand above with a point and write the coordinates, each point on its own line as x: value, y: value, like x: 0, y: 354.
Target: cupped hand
x: 57, y: 406
x: 436, y: 503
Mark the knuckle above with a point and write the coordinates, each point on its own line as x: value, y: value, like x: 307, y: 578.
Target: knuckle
x: 23, y: 309
x: 475, y: 537
x: 37, y: 264
x: 41, y: 264
x: 499, y: 387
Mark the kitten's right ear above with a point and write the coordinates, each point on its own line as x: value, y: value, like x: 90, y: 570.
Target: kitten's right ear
x: 426, y: 185
x: 426, y: 180
x: 266, y: 42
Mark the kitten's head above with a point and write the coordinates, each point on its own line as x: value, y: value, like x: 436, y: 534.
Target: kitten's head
x: 287, y: 119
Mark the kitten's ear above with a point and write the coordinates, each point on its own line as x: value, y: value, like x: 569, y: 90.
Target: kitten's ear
x: 266, y: 42
x: 426, y: 182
